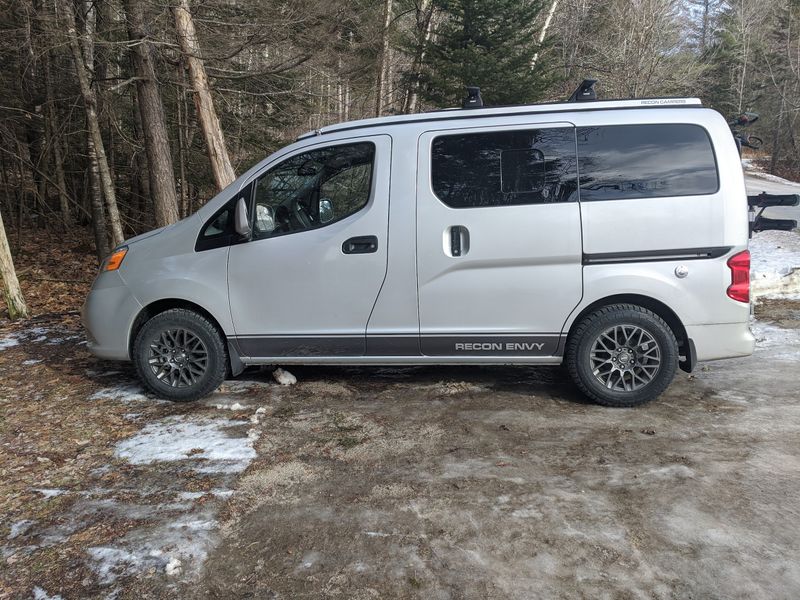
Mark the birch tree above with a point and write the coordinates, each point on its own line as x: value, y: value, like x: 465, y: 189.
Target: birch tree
x: 92, y: 121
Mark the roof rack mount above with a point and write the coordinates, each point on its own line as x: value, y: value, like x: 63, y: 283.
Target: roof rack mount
x: 584, y: 92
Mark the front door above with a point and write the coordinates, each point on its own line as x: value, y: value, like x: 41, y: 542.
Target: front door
x: 498, y: 240
x: 306, y: 283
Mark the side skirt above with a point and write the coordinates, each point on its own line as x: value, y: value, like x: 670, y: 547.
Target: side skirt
x: 461, y: 349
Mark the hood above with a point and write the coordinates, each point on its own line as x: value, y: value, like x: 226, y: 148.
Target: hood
x: 144, y: 236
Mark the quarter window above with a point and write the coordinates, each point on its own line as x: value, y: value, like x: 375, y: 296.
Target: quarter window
x: 532, y: 166
x: 645, y: 161
x: 313, y: 189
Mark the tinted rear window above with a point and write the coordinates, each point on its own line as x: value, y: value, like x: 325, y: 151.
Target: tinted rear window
x: 645, y: 161
x: 505, y: 168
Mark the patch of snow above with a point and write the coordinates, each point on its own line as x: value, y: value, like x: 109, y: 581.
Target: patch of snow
x: 40, y: 594
x: 526, y: 513
x: 191, y: 495
x: 31, y: 362
x: 174, y: 567
x: 20, y: 528
x: 234, y: 406
x: 49, y: 493
x: 34, y: 334
x: 110, y: 563
x: 209, y: 442
x: 283, y: 377
x: 9, y: 341
x: 775, y: 264
x: 123, y: 393
x: 754, y: 170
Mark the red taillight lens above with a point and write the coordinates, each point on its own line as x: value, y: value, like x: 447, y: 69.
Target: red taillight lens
x: 739, y: 289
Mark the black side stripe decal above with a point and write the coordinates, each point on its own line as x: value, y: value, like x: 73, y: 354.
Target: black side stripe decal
x: 537, y: 344
x: 607, y: 258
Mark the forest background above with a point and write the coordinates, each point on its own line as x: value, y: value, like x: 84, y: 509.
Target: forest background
x: 118, y: 116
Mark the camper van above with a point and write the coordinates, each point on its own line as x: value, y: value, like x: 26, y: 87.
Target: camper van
x: 610, y: 236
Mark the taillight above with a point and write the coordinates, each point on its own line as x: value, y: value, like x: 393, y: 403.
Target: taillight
x: 739, y: 289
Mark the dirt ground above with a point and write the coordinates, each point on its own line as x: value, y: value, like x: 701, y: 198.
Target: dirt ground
x: 397, y: 483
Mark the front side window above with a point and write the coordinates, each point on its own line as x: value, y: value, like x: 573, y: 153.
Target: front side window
x: 313, y: 189
x: 645, y: 161
x: 218, y: 231
x: 505, y: 168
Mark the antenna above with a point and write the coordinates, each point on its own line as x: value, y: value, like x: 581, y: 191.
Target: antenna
x: 585, y: 92
x: 473, y: 99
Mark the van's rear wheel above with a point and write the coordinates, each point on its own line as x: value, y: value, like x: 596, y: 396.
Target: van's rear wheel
x: 180, y: 355
x: 622, y: 355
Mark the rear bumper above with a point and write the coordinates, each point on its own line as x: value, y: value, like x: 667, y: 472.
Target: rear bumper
x: 726, y: 340
x: 107, y: 315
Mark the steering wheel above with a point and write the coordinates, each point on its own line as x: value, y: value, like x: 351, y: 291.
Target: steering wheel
x: 302, y: 214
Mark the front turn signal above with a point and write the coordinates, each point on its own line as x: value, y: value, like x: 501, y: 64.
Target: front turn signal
x: 113, y: 262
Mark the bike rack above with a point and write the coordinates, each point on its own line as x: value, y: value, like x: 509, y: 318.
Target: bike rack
x: 764, y: 201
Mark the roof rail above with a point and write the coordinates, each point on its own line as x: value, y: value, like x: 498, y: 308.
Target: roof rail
x: 507, y: 111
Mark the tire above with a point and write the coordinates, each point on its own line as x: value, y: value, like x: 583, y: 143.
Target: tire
x: 754, y: 142
x: 180, y: 355
x: 622, y: 355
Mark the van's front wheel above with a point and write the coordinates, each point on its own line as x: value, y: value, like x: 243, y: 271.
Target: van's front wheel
x: 180, y: 355
x: 622, y: 355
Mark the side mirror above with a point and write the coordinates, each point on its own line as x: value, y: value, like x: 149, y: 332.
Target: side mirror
x: 241, y: 219
x: 326, y: 214
x: 265, y: 219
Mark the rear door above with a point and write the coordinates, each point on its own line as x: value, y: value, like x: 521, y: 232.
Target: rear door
x: 498, y: 239
x: 306, y: 283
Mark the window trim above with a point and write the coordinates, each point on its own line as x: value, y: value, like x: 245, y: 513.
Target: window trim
x: 224, y: 239
x: 345, y: 142
x: 510, y: 128
x: 665, y: 197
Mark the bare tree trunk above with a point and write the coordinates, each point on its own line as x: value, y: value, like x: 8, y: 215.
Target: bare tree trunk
x: 380, y: 84
x: 545, y: 27
x: 206, y: 113
x: 90, y: 103
x: 156, y: 142
x: 426, y: 27
x: 55, y: 142
x: 96, y: 198
x: 11, y: 291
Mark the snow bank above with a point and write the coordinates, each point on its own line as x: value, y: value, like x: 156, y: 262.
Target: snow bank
x: 775, y: 265
x: 752, y: 169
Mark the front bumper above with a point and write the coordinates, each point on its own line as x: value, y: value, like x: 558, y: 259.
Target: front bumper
x: 726, y: 340
x: 108, y: 315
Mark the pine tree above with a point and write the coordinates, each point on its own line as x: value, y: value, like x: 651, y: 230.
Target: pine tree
x: 488, y: 43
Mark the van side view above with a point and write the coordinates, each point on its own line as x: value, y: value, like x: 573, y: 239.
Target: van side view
x: 607, y: 235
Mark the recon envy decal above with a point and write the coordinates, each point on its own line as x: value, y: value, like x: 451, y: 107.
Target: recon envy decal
x: 500, y: 347
x: 495, y: 345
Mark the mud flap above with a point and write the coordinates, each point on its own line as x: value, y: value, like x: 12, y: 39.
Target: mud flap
x: 689, y: 359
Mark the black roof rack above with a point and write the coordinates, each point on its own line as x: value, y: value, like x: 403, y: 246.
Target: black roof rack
x: 584, y: 92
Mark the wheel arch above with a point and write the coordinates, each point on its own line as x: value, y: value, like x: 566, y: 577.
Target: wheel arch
x: 159, y: 306
x: 685, y: 346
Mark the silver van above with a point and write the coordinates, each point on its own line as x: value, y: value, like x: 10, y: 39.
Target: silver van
x: 609, y: 235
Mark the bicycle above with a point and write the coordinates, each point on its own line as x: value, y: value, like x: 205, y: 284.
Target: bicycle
x: 743, y: 139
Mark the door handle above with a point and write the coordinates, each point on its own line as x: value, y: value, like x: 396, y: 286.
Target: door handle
x: 365, y: 244
x: 459, y: 241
